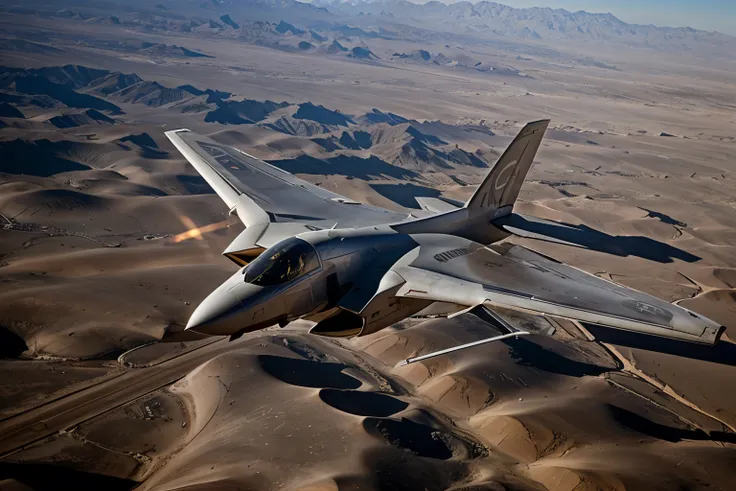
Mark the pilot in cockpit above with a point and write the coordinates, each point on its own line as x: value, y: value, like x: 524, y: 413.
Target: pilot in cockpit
x: 291, y: 259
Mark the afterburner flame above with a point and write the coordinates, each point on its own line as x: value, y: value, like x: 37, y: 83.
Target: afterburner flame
x: 195, y: 232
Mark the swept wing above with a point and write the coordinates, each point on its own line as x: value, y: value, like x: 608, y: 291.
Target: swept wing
x: 455, y: 270
x: 271, y: 202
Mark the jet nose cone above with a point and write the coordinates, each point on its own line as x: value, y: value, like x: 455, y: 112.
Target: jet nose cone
x: 225, y: 310
x: 216, y: 314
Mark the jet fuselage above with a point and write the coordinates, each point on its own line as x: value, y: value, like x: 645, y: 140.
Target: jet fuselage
x: 298, y: 277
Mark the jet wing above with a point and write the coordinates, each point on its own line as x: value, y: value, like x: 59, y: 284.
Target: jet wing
x: 263, y: 195
x: 450, y: 269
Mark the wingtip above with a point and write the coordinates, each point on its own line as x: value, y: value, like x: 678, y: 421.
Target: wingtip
x: 719, y: 333
x: 179, y: 130
x: 533, y: 127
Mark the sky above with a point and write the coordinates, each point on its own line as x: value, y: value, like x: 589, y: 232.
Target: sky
x: 709, y: 15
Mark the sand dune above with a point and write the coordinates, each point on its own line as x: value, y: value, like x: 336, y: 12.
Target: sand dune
x: 95, y: 244
x: 105, y: 304
x: 355, y: 441
x: 519, y: 414
x: 514, y: 411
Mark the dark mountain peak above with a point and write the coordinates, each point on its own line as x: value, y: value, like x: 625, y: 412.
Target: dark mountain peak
x: 259, y: 32
x: 192, y: 54
x: 59, y: 84
x: 442, y: 59
x: 322, y: 115
x: 336, y: 47
x: 418, y: 135
x: 75, y: 75
x: 358, y: 140
x: 353, y: 31
x: 114, y: 82
x: 98, y: 116
x: 376, y: 116
x: 229, y: 21
x: 284, y: 27
x: 192, y: 89
x: 318, y: 37
x: 160, y: 49
x: 151, y: 94
x: 246, y: 111
x: 418, y: 55
x: 363, y: 53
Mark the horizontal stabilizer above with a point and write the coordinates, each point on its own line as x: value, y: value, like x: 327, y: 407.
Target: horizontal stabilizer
x: 534, y: 228
x: 437, y: 205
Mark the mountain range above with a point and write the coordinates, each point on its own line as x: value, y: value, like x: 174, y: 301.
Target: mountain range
x: 74, y: 96
x: 531, y: 23
x: 463, y: 22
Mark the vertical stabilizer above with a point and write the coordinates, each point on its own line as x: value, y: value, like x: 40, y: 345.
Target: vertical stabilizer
x: 501, y: 186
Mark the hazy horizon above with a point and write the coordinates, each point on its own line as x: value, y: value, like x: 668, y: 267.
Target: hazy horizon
x: 707, y: 15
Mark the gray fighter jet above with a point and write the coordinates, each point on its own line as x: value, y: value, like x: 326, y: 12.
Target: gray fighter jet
x: 353, y: 268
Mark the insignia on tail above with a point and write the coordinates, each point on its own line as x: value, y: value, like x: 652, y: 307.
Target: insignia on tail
x: 501, y: 186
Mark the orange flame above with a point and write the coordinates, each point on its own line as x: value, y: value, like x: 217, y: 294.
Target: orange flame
x: 195, y: 232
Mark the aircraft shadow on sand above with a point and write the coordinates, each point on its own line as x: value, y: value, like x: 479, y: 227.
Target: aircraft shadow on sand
x: 723, y: 353
x: 561, y: 232
x: 590, y: 238
x: 529, y: 353
x: 644, y: 426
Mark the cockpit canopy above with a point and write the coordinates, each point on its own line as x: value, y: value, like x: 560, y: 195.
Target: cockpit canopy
x: 281, y: 263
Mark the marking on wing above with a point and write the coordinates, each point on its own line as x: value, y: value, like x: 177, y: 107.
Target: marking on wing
x: 445, y: 256
x: 225, y: 179
x: 648, y: 309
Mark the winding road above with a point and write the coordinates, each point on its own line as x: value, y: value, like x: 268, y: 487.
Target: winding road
x: 21, y: 430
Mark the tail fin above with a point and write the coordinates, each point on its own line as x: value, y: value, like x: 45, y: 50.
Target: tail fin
x: 501, y: 186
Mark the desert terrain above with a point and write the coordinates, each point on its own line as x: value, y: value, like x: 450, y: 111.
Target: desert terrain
x: 110, y: 239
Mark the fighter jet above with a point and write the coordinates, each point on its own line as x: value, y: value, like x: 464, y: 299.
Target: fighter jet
x: 353, y: 269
